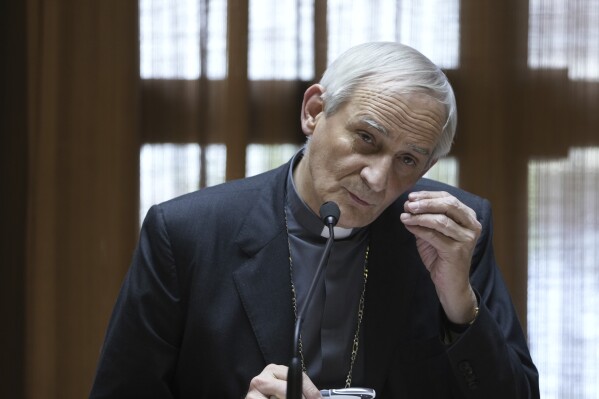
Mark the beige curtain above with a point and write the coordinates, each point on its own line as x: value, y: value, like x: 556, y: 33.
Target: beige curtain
x: 79, y: 139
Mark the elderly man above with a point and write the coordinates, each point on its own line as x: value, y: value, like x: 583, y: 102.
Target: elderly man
x: 411, y: 303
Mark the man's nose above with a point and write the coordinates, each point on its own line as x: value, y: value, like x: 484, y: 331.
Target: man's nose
x: 376, y: 173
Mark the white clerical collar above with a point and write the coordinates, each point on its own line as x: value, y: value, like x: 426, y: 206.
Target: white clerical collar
x: 340, y: 232
x: 302, y: 214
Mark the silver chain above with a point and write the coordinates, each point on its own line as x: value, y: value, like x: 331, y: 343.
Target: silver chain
x: 356, y: 342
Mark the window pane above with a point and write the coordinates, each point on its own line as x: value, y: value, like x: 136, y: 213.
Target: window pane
x: 216, y: 65
x: 565, y: 34
x: 216, y: 164
x: 446, y: 170
x: 262, y: 157
x: 431, y: 26
x: 563, y: 274
x: 280, y: 40
x: 169, y: 170
x: 170, y: 39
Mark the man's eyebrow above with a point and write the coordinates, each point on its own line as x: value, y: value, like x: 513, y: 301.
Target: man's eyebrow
x: 376, y: 126
x: 419, y: 150
x: 381, y: 129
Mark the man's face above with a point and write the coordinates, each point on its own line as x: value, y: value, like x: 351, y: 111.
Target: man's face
x: 368, y: 152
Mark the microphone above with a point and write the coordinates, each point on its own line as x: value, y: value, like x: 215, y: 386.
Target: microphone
x: 329, y: 214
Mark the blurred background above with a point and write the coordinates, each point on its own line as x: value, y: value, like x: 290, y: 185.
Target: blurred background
x: 110, y: 106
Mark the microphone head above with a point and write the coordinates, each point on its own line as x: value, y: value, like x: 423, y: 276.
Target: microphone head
x: 330, y: 213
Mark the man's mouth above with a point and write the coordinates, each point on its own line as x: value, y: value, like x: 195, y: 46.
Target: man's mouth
x: 358, y: 200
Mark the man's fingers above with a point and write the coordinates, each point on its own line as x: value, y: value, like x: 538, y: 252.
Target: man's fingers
x: 309, y: 390
x: 436, y: 223
x: 441, y: 203
x: 271, y: 383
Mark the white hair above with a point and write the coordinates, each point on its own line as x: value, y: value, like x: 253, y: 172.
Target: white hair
x: 394, y: 68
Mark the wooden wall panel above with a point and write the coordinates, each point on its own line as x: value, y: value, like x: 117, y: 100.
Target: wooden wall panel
x: 83, y: 153
x: 237, y: 118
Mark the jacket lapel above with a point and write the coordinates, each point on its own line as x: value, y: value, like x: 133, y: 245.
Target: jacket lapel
x: 393, y: 268
x: 263, y: 281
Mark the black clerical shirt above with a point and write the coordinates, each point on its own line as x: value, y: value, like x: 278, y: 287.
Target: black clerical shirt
x: 331, y: 321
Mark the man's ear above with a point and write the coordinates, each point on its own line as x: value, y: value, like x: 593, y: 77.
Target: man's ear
x: 312, y: 106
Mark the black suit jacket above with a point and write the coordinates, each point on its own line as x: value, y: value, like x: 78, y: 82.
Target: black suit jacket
x: 206, y: 305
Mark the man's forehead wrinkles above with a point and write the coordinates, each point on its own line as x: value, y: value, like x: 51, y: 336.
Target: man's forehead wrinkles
x: 400, y: 110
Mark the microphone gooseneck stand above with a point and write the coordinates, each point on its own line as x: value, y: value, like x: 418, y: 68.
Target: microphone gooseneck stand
x: 329, y: 213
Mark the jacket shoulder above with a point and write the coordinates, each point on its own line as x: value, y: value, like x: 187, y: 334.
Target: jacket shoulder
x: 231, y: 198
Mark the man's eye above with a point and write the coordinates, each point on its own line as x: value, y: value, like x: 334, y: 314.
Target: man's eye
x: 409, y: 161
x: 366, y: 137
